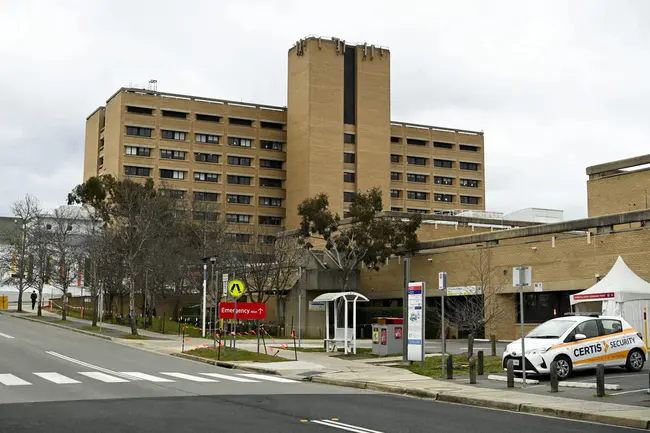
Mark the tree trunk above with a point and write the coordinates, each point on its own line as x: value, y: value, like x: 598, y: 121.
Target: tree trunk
x: 64, y: 310
x: 20, y: 298
x: 95, y: 304
x: 40, y: 301
x: 134, y: 325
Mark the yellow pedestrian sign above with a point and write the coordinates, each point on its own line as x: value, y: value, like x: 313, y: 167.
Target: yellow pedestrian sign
x: 236, y: 288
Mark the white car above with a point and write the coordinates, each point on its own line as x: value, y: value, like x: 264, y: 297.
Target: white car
x: 576, y: 343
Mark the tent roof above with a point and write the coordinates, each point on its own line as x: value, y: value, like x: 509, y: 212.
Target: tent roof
x: 620, y: 284
x: 350, y: 296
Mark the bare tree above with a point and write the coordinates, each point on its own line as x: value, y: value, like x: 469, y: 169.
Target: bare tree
x: 40, y: 249
x: 16, y: 257
x: 476, y: 306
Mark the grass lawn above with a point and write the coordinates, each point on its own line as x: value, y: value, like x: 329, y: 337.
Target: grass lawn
x: 433, y: 366
x: 93, y: 329
x: 227, y: 355
x: 135, y: 337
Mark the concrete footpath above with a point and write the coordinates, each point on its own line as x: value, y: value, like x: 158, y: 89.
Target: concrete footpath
x: 320, y: 367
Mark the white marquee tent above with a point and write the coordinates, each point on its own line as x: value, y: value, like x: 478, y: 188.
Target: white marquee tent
x: 620, y: 293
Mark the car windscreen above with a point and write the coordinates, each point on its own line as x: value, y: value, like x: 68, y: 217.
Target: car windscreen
x: 551, y: 329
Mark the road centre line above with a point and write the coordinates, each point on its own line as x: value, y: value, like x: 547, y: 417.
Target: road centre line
x: 629, y: 392
x: 343, y: 426
x: 6, y: 336
x: 94, y: 367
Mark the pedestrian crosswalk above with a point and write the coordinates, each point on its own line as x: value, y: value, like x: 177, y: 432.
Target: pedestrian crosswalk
x: 79, y: 378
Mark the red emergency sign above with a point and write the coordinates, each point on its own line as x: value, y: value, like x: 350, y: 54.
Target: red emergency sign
x: 245, y: 310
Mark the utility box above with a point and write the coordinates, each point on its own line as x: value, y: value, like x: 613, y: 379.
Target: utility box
x: 388, y: 336
x: 4, y: 302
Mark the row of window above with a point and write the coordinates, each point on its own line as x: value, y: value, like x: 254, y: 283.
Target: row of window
x: 439, y: 163
x: 438, y: 180
x: 202, y: 176
x: 178, y: 194
x: 202, y: 157
x: 421, y: 195
x: 204, y: 117
x: 437, y: 144
x: 138, y: 131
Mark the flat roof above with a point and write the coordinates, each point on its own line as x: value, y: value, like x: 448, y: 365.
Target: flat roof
x: 437, y: 128
x: 618, y: 165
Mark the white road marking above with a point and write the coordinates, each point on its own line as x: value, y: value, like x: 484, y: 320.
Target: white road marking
x: 103, y: 377
x: 6, y: 336
x: 148, y: 377
x: 269, y: 378
x: 233, y: 378
x: 342, y: 426
x: 189, y: 377
x: 11, y: 380
x: 629, y: 392
x: 56, y: 378
x: 94, y: 367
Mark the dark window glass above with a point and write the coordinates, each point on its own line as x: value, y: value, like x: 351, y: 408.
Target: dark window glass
x: 416, y: 160
x: 271, y: 145
x: 173, y: 135
x: 466, y: 199
x: 421, y: 178
x: 349, y: 177
x: 206, y: 196
x: 349, y: 158
x: 270, y: 163
x: 172, y: 174
x: 270, y: 201
x: 204, y: 216
x: 208, y: 118
x: 207, y: 138
x: 611, y: 326
x: 174, y: 194
x: 239, y: 199
x: 416, y: 195
x: 468, y: 148
x: 240, y: 142
x: 396, y: 209
x: 394, y: 175
x: 239, y: 180
x: 442, y: 180
x: 176, y: 114
x: 395, y: 158
x: 238, y: 218
x: 138, y: 131
x: 396, y: 140
x: 443, y: 145
x: 469, y: 166
x: 238, y: 121
x: 139, y: 110
x: 470, y: 183
x: 270, y: 220
x: 270, y: 183
x: 172, y: 154
x: 411, y: 210
x: 240, y: 160
x: 348, y: 197
x: 349, y: 138
x: 416, y: 142
x: 206, y: 177
x: 206, y: 157
x: 448, y: 198
x: 271, y: 125
x: 136, y: 171
x: 443, y: 163
x: 395, y: 193
x: 138, y: 151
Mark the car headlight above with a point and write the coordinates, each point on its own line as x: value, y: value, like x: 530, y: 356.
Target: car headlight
x: 539, y: 350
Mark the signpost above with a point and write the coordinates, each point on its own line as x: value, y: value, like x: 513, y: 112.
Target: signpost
x: 416, y: 320
x: 225, y: 284
x: 236, y: 289
x: 522, y: 276
x: 205, y: 298
x: 442, y: 285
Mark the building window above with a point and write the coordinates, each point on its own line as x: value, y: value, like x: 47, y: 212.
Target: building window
x: 395, y: 193
x: 238, y: 121
x: 176, y: 114
x: 270, y: 163
x: 136, y: 171
x: 208, y: 118
x: 173, y: 194
x: 468, y: 148
x: 395, y: 158
x: 240, y: 142
x: 271, y: 125
x: 270, y: 183
x: 443, y: 145
x: 207, y: 138
x: 349, y: 158
x: 416, y: 160
x: 470, y: 183
x: 270, y: 220
x: 348, y: 197
x: 271, y: 145
x: 240, y: 160
x: 206, y: 157
x: 173, y: 135
x: 447, y: 198
x: 172, y: 174
x: 396, y: 209
x: 394, y: 175
x: 266, y: 239
x: 396, y: 140
x: 239, y: 180
x: 206, y: 177
x: 349, y: 177
x: 468, y: 199
x: 100, y: 162
x: 416, y: 142
x: 349, y: 138
x: 417, y: 195
x: 172, y: 154
x: 138, y: 131
x: 412, y: 210
x: 206, y: 196
x: 469, y: 166
x: 270, y: 201
x: 204, y: 216
x: 138, y: 151
x: 442, y: 180
x: 238, y: 199
x: 421, y: 178
x: 237, y: 218
x: 139, y: 110
x: 240, y: 238
x: 443, y: 163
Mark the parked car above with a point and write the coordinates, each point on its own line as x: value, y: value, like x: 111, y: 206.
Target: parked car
x: 577, y: 343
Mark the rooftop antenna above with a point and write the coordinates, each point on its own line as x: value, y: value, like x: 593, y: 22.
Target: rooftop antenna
x: 153, y: 85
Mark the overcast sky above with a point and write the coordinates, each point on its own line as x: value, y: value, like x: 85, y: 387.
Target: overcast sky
x: 555, y: 85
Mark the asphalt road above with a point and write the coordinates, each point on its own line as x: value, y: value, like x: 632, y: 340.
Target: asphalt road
x: 57, y: 381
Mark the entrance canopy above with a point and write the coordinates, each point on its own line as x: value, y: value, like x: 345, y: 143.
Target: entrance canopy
x: 620, y: 284
x: 349, y: 296
x: 347, y: 336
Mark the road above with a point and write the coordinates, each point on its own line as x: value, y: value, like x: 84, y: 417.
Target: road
x: 56, y: 381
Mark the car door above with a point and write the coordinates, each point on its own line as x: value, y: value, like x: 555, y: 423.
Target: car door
x: 588, y: 352
x: 616, y: 344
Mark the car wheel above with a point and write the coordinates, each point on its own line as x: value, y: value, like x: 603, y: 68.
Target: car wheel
x: 635, y: 360
x: 564, y: 367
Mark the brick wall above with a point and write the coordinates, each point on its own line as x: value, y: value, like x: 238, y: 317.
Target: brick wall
x: 621, y: 192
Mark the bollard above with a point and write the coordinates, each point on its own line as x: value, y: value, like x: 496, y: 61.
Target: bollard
x: 183, y: 349
x: 450, y: 367
x: 600, y: 380
x: 493, y: 344
x: 511, y: 374
x: 472, y: 371
x: 554, y: 381
x: 481, y: 362
x: 470, y: 345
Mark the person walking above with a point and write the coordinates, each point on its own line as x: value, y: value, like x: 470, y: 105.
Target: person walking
x: 34, y: 297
